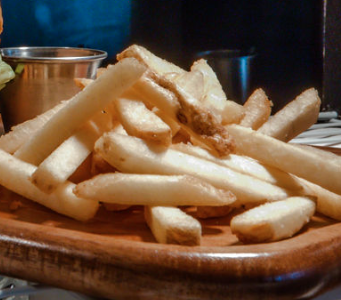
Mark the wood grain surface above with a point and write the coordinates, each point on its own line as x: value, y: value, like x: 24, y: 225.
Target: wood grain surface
x: 115, y: 256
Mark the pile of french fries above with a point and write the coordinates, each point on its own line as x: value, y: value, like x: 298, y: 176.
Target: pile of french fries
x: 147, y: 132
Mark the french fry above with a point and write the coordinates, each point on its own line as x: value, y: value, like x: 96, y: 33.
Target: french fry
x: 152, y: 93
x: 308, y: 165
x: 65, y: 159
x: 257, y: 109
x: 105, y: 120
x: 100, y: 166
x: 173, y: 124
x: 139, y: 121
x: 273, y: 221
x: 21, y: 133
x: 15, y: 174
x: 83, y: 82
x: 84, y: 105
x: 214, y: 96
x: 317, y: 151
x: 297, y: 116
x: 245, y: 165
x: 150, y: 60
x: 133, y: 155
x: 202, y: 122
x: 167, y: 101
x: 69, y: 155
x: 327, y: 202
x: 170, y: 225
x: 101, y: 70
x: 192, y: 113
x: 196, y: 84
x: 152, y: 190
x: 147, y: 132
x: 193, y: 83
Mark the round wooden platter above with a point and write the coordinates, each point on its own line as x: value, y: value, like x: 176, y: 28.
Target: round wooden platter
x: 115, y: 256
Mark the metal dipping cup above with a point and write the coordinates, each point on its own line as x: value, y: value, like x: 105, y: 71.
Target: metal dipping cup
x: 233, y: 69
x: 43, y: 77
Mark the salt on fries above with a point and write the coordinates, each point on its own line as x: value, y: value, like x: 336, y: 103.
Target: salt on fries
x: 162, y: 137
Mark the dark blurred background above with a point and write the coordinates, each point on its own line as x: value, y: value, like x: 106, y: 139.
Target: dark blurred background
x: 286, y: 34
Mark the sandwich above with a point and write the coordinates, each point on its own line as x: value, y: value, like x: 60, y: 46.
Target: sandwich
x: 6, y: 72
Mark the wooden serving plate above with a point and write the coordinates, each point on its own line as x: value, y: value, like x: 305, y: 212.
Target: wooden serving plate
x: 115, y: 256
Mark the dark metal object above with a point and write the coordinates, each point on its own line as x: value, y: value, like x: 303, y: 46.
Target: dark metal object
x: 331, y: 92
x: 233, y: 69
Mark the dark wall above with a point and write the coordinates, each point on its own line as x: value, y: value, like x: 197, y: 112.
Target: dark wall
x: 157, y: 25
x: 285, y: 34
x: 332, y: 55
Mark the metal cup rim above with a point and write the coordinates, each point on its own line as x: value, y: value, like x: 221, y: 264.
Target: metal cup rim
x: 16, y: 54
x: 226, y: 54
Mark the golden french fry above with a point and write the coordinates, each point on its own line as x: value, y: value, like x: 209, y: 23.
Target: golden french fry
x: 193, y: 83
x: 65, y: 159
x: 149, y: 59
x: 245, y: 165
x: 83, y: 82
x: 105, y: 120
x: 15, y: 174
x: 133, y: 155
x: 21, y: 133
x: 257, y: 109
x: 170, y: 225
x: 139, y: 121
x: 147, y: 108
x: 327, y: 202
x: 317, y: 151
x: 214, y: 96
x: 173, y: 124
x: 153, y: 190
x: 202, y: 122
x: 297, y: 116
x: 197, y: 84
x: 273, y: 221
x: 190, y: 111
x: 84, y: 105
x: 200, y: 118
x: 101, y: 70
x: 308, y: 165
x: 158, y: 96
